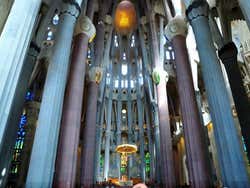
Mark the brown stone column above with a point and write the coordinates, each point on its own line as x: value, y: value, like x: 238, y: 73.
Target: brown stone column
x: 95, y: 75
x: 88, y: 143
x: 160, y: 79
x: 198, y: 168
x: 167, y: 164
x: 66, y: 163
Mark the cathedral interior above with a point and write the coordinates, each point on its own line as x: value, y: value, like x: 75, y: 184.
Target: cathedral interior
x: 113, y: 93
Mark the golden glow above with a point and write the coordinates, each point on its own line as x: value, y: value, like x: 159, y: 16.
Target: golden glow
x: 124, y: 150
x: 125, y: 17
x: 124, y: 20
x: 210, y: 127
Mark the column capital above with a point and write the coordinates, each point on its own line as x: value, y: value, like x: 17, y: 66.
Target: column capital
x: 158, y: 74
x: 228, y: 51
x: 85, y: 26
x: 71, y: 7
x: 176, y: 26
x: 196, y: 9
x: 95, y: 74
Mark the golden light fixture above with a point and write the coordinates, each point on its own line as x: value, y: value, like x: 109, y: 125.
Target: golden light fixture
x: 125, y: 150
x: 125, y: 17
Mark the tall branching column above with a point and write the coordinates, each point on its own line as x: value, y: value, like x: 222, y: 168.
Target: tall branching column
x: 228, y: 55
x: 66, y: 163
x: 95, y: 75
x: 231, y: 161
x: 160, y: 79
x: 46, y: 138
x: 176, y: 31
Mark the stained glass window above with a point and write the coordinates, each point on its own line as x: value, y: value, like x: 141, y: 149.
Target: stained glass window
x: 21, y: 133
x: 147, y: 162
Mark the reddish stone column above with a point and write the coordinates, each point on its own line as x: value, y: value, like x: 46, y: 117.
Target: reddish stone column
x: 65, y: 174
x: 160, y: 79
x: 167, y: 164
x: 198, y: 168
x: 95, y: 75
x: 89, y: 134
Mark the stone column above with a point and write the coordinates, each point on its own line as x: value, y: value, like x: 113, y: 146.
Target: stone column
x: 230, y: 156
x: 119, y: 117
x: 166, y: 157
x: 167, y: 9
x: 46, y: 138
x: 108, y: 128
x: 245, y: 7
x: 154, y: 114
x: 176, y: 31
x: 14, y: 44
x: 140, y: 121
x: 102, y: 101
x: 129, y: 118
x: 228, y: 55
x: 99, y: 134
x: 65, y: 174
x: 89, y: 131
x: 160, y: 79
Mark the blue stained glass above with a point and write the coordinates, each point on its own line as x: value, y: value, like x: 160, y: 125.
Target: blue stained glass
x: 29, y: 96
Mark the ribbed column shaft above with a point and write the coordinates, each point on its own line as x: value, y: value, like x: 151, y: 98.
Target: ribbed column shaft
x: 193, y: 130
x: 228, y: 55
x: 231, y: 161
x: 89, y: 134
x: 66, y: 163
x: 46, y: 138
x: 65, y: 174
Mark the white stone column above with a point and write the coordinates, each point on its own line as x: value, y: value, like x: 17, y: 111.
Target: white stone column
x: 43, y: 156
x: 14, y: 43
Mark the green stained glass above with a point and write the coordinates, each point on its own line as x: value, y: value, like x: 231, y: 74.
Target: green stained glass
x: 123, y: 169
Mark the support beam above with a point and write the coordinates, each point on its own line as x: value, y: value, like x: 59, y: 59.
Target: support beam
x: 119, y: 115
x: 108, y: 128
x: 169, y: 13
x: 140, y: 112
x: 66, y: 163
x: 228, y: 55
x: 46, y: 138
x: 154, y: 114
x: 232, y: 165
x: 176, y: 31
x: 102, y: 100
